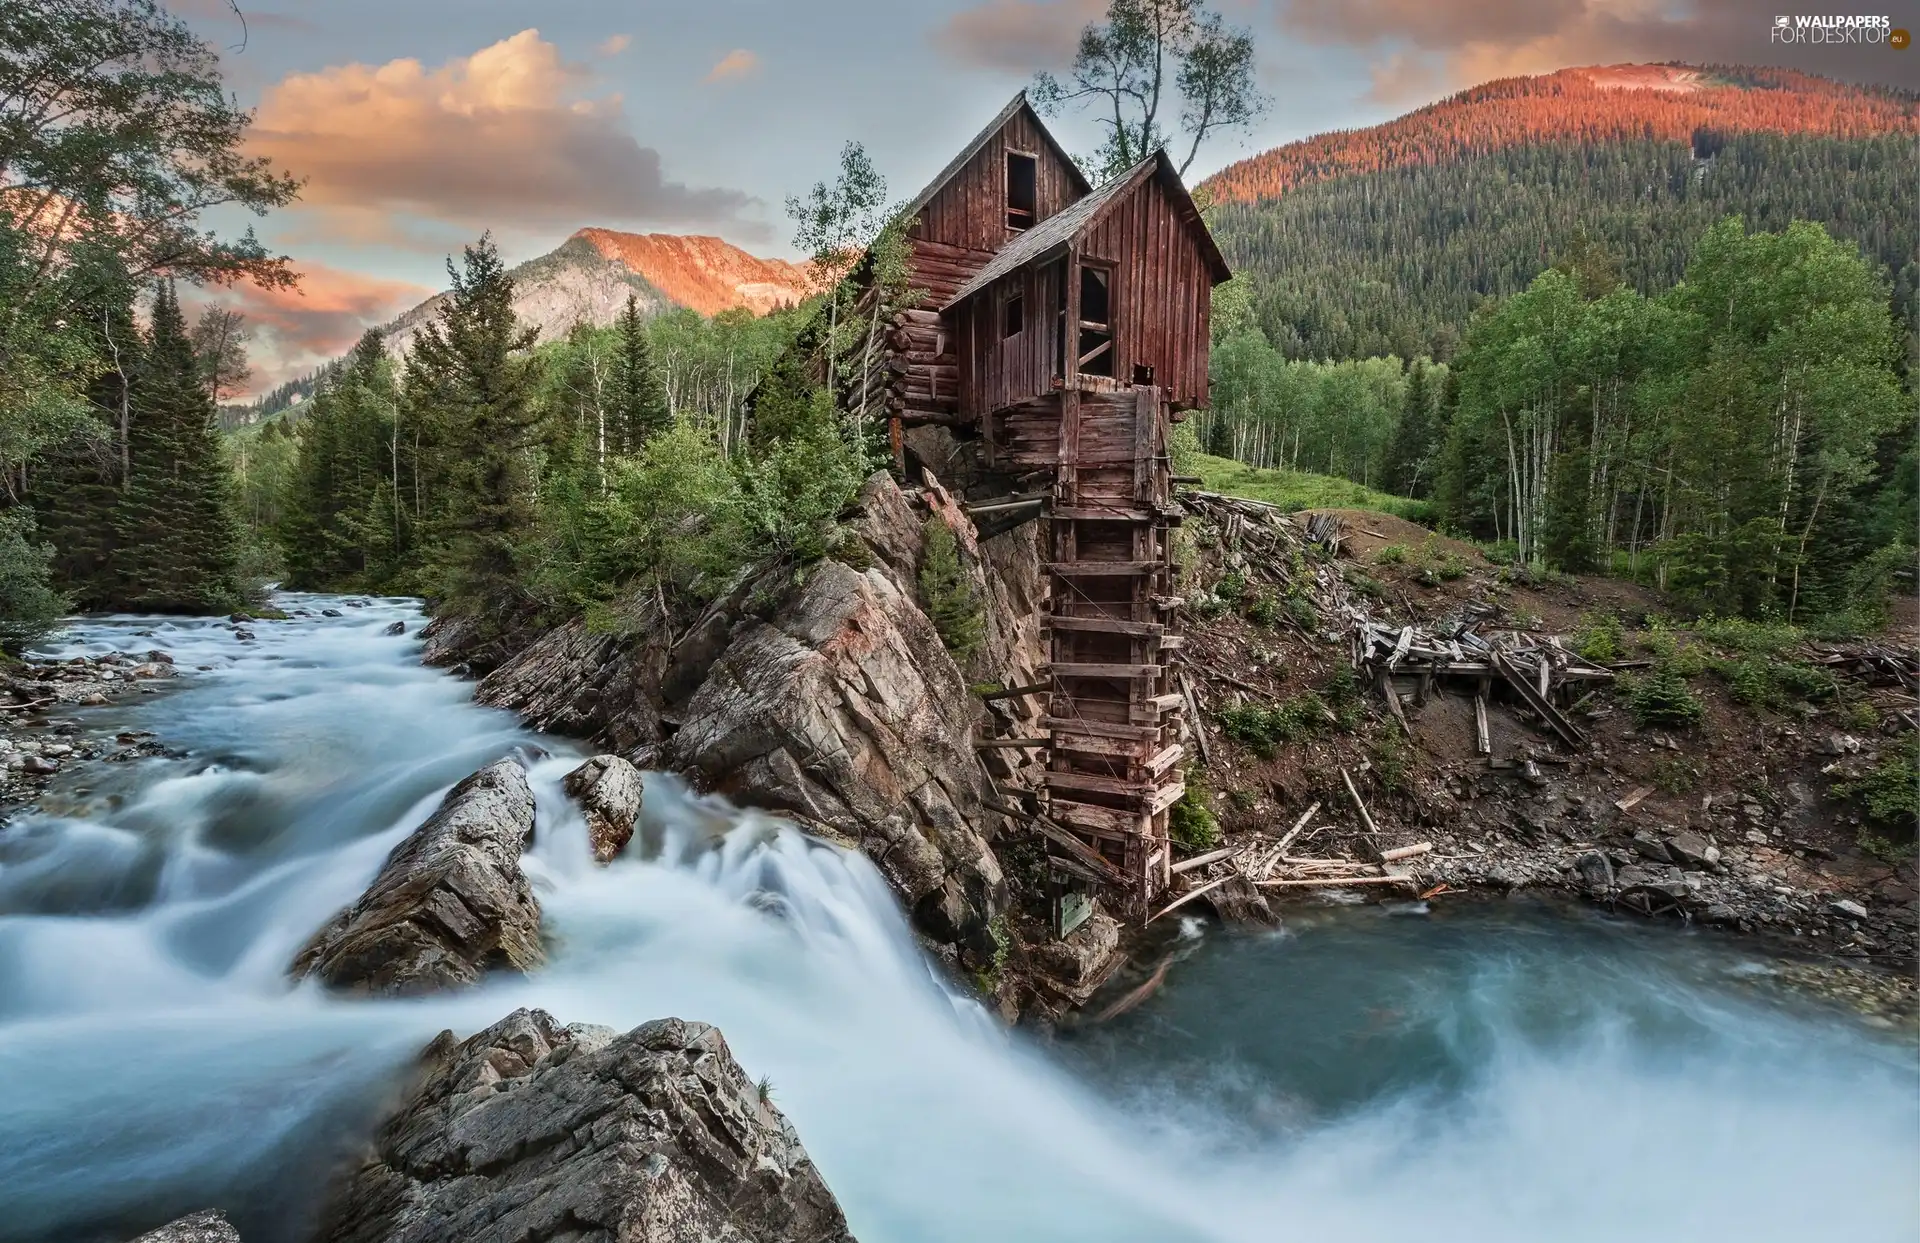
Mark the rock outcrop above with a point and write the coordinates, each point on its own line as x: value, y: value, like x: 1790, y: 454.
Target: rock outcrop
x: 609, y: 791
x: 530, y: 1131
x: 831, y: 701
x: 450, y: 903
x: 210, y: 1226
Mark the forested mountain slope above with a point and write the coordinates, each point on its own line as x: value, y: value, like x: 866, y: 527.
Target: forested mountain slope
x: 1396, y: 261
x: 1385, y: 240
x: 1597, y: 104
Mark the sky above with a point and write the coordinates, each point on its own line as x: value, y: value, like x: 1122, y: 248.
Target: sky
x: 417, y: 124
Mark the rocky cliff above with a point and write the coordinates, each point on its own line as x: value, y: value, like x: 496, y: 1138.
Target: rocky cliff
x: 826, y: 696
x: 530, y: 1132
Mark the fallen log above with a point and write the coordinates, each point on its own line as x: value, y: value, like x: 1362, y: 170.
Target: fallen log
x: 1405, y: 852
x: 1366, y: 817
x: 1199, y: 861
x: 1187, y: 897
x: 1332, y: 882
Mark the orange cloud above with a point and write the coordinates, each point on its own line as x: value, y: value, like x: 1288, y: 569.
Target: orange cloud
x: 1425, y: 47
x: 296, y: 330
x: 613, y: 45
x: 735, y: 64
x: 1017, y: 35
x: 501, y: 138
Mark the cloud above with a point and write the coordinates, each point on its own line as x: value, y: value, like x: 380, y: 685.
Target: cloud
x: 504, y: 138
x: 1421, y: 48
x: 1019, y: 36
x: 613, y: 45
x: 296, y: 330
x: 735, y: 64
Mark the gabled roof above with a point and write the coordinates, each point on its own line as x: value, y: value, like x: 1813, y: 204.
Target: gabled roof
x: 1013, y: 108
x: 1053, y: 233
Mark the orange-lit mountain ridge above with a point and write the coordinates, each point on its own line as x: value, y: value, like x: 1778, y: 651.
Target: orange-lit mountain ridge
x: 1592, y: 104
x: 703, y: 273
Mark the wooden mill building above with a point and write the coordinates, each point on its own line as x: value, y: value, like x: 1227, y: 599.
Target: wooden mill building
x: 1067, y: 327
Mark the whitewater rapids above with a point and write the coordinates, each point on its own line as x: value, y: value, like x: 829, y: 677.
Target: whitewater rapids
x: 1486, y: 1076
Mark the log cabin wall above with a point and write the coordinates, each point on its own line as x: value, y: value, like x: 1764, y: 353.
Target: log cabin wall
x: 998, y: 369
x: 961, y: 223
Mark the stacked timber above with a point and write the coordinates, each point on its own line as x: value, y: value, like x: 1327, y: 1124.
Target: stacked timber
x: 1114, y: 765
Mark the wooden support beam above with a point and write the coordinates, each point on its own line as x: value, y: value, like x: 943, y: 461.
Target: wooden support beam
x: 1081, y: 853
x: 1017, y: 692
x: 1483, y: 740
x: 1092, y: 670
x: 1538, y: 702
x: 1107, y: 625
x: 1103, y: 569
x: 997, y: 744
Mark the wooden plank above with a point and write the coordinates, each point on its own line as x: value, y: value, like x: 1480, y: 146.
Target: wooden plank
x: 1333, y: 881
x: 1165, y: 797
x: 1547, y: 712
x: 1187, y: 897
x: 1483, y: 740
x: 1112, y: 748
x: 1166, y: 758
x: 1078, y: 669
x: 1092, y: 783
x: 1107, y: 569
x: 1167, y: 702
x: 1018, y: 692
x: 1200, y: 861
x: 1081, y: 853
x: 1107, y: 625
x: 998, y: 744
x: 1366, y: 817
x: 1103, y: 819
x: 1099, y: 729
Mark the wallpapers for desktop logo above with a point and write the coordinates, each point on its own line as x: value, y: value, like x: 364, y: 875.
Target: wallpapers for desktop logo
x: 1835, y: 28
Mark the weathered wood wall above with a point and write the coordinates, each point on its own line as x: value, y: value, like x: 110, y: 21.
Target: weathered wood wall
x: 970, y: 211
x: 1162, y: 290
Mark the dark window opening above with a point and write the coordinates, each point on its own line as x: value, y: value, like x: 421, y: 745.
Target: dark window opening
x: 1013, y: 316
x: 1142, y: 373
x: 1095, y: 353
x: 1022, y: 190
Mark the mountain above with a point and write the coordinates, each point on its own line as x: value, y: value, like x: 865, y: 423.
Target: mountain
x: 1384, y: 240
x: 589, y: 278
x: 1596, y: 104
x: 704, y: 274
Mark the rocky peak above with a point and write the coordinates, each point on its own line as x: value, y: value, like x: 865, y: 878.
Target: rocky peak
x: 703, y: 273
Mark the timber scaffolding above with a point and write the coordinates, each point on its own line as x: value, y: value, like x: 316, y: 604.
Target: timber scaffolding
x: 1114, y: 702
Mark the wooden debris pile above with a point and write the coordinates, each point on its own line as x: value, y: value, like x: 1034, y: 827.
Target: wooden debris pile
x: 1540, y: 674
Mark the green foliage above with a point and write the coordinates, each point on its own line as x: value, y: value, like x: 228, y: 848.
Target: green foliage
x: 1000, y: 932
x: 1295, y: 490
x: 1392, y: 554
x: 947, y: 591
x: 1393, y: 762
x: 1262, y: 727
x: 1762, y: 681
x: 30, y: 608
x: 1396, y: 261
x: 1190, y: 822
x: 1889, y: 792
x: 1662, y: 698
x: 177, y: 541
x: 1674, y: 774
x: 1600, y: 638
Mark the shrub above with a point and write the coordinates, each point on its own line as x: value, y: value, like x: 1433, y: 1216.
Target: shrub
x: 1392, y: 554
x: 1663, y: 698
x: 946, y: 591
x: 1600, y: 638
x: 29, y: 606
x: 1261, y: 728
x: 1889, y: 792
x: 1766, y: 683
x: 1737, y: 634
x: 1264, y: 609
x: 1190, y: 822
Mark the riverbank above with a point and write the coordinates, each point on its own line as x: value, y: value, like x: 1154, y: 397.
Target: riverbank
x: 1346, y: 1073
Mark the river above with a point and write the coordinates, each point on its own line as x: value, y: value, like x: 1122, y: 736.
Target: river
x: 1484, y: 1073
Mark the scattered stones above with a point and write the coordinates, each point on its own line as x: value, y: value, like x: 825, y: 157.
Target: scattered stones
x: 450, y: 903
x: 1849, y: 908
x: 530, y: 1130
x: 210, y: 1226
x: 609, y: 790
x: 243, y: 634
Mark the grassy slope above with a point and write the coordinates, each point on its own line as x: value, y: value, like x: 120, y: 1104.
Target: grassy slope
x: 1300, y: 490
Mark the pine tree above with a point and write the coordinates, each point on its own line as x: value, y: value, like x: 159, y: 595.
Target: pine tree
x: 342, y: 527
x: 1407, y: 470
x: 178, y: 540
x: 639, y: 407
x: 477, y: 378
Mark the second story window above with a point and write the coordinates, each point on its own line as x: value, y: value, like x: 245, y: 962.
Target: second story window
x: 1096, y: 321
x: 1013, y: 316
x: 1022, y: 190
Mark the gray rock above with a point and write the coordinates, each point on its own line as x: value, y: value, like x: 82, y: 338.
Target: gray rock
x: 40, y: 766
x: 1076, y: 965
x: 1688, y: 848
x: 1648, y: 846
x: 1240, y: 901
x: 531, y: 1131
x: 450, y: 903
x: 398, y: 627
x: 210, y: 1226
x: 1849, y: 908
x: 331, y: 613
x: 609, y: 791
x: 1595, y: 869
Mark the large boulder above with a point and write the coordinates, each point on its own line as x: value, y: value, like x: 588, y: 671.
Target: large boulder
x: 210, y: 1226
x: 608, y: 790
x: 450, y: 903
x: 534, y: 1131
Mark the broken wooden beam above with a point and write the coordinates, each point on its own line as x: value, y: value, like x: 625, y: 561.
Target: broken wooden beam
x: 1405, y: 852
x: 1016, y: 692
x: 1189, y: 896
x: 1200, y: 861
x: 1538, y: 702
